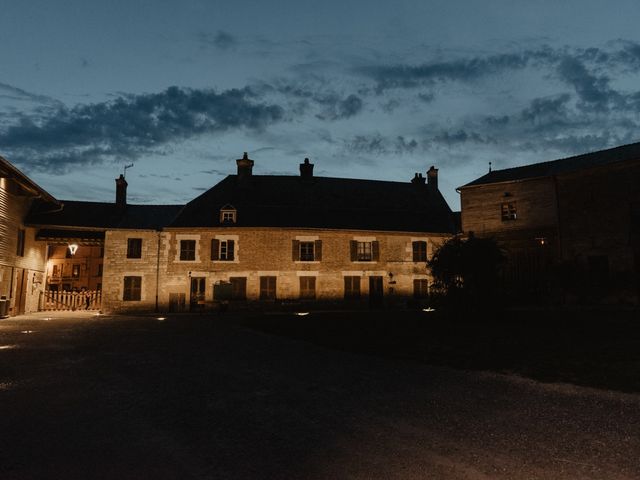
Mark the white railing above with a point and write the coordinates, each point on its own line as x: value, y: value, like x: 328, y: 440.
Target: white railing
x: 64, y: 300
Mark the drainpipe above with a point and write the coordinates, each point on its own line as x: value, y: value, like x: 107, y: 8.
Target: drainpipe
x: 158, y: 271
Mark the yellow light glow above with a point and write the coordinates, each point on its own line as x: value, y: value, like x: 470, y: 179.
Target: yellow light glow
x: 161, y: 319
x: 301, y: 314
x: 73, y: 248
x: 428, y: 309
x: 8, y: 347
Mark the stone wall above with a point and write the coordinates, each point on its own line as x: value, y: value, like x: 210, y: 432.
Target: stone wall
x: 258, y: 252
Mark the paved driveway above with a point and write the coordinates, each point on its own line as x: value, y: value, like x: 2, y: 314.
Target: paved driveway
x: 135, y: 398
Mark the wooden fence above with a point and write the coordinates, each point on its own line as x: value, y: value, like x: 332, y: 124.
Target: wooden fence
x: 63, y: 300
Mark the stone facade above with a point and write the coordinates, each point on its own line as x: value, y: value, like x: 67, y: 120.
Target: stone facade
x: 260, y: 252
x: 572, y: 225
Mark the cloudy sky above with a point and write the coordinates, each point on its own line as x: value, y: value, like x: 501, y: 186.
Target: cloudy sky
x: 365, y: 89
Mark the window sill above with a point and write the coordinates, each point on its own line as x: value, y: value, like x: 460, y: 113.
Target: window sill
x: 306, y: 261
x: 365, y: 261
x: 235, y: 260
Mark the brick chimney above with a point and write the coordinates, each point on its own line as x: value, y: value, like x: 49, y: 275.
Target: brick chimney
x: 121, y: 191
x: 432, y: 178
x: 306, y: 169
x: 245, y: 168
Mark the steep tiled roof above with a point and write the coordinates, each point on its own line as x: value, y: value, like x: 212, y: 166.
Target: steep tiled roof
x: 321, y: 202
x: 99, y: 215
x: 564, y: 165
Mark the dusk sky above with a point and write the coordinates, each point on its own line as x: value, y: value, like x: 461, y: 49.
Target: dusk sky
x: 365, y: 89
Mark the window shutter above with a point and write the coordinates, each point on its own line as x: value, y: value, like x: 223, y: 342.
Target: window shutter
x: 375, y: 251
x: 215, y: 249
x: 231, y: 249
x: 295, y: 250
x: 415, y: 251
x: 354, y: 250
x: 317, y: 250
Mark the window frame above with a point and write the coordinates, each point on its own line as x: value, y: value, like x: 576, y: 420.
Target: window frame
x: 134, y: 248
x: 508, y: 211
x: 20, y: 241
x: 184, y: 251
x: 267, y: 291
x: 307, y: 251
x: 133, y: 291
x: 420, y: 288
x: 307, y: 287
x: 351, y: 293
x: 419, y: 250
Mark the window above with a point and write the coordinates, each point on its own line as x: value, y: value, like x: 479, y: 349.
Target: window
x: 238, y: 288
x: 267, y: 288
x: 364, y: 251
x: 75, y: 271
x: 228, y: 215
x: 57, y: 271
x: 187, y: 249
x: 420, y: 288
x: 307, y: 251
x: 351, y: 287
x: 420, y: 251
x: 307, y: 288
x: 20, y: 245
x: 222, y: 250
x: 132, y: 288
x: 134, y: 248
x: 99, y: 271
x: 508, y: 211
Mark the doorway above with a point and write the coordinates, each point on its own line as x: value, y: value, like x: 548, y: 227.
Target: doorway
x: 197, y: 293
x: 21, y: 291
x: 376, y: 292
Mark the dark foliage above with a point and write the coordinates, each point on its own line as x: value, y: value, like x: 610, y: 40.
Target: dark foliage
x: 467, y: 271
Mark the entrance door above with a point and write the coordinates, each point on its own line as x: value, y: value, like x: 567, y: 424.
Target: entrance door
x: 376, y: 292
x: 21, y: 291
x: 197, y: 293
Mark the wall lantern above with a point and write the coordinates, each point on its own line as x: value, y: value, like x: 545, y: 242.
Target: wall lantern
x: 73, y: 248
x: 542, y: 241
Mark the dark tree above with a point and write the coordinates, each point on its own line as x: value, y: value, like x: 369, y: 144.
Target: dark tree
x: 467, y: 271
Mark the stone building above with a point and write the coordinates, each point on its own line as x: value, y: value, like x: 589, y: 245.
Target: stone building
x: 22, y: 257
x: 570, y: 225
x: 255, y: 239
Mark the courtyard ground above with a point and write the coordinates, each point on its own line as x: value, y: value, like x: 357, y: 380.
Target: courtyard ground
x: 123, y: 397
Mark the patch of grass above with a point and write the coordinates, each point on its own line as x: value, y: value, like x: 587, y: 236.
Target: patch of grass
x: 591, y: 348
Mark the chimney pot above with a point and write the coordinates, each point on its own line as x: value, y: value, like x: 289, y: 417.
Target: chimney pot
x: 306, y: 169
x: 121, y: 191
x: 245, y: 168
x: 432, y: 178
x: 418, y: 179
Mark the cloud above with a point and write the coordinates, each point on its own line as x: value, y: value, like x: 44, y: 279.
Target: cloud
x: 410, y: 76
x: 377, y: 144
x: 221, y: 40
x: 591, y: 89
x: 132, y: 125
x: 542, y: 111
x: 14, y: 93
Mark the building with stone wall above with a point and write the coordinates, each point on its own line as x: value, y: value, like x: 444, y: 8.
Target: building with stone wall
x: 571, y: 224
x: 259, y: 240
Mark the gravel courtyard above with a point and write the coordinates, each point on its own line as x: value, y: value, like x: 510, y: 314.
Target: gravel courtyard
x: 102, y: 397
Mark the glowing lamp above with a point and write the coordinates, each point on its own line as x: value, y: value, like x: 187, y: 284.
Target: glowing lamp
x: 73, y: 248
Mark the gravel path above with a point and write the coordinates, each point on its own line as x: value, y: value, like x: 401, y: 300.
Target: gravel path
x: 135, y: 398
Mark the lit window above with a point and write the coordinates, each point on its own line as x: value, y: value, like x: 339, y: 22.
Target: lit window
x: 364, y: 252
x: 508, y: 211
x: 75, y: 271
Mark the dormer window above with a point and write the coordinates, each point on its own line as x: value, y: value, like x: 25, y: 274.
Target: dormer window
x: 227, y: 215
